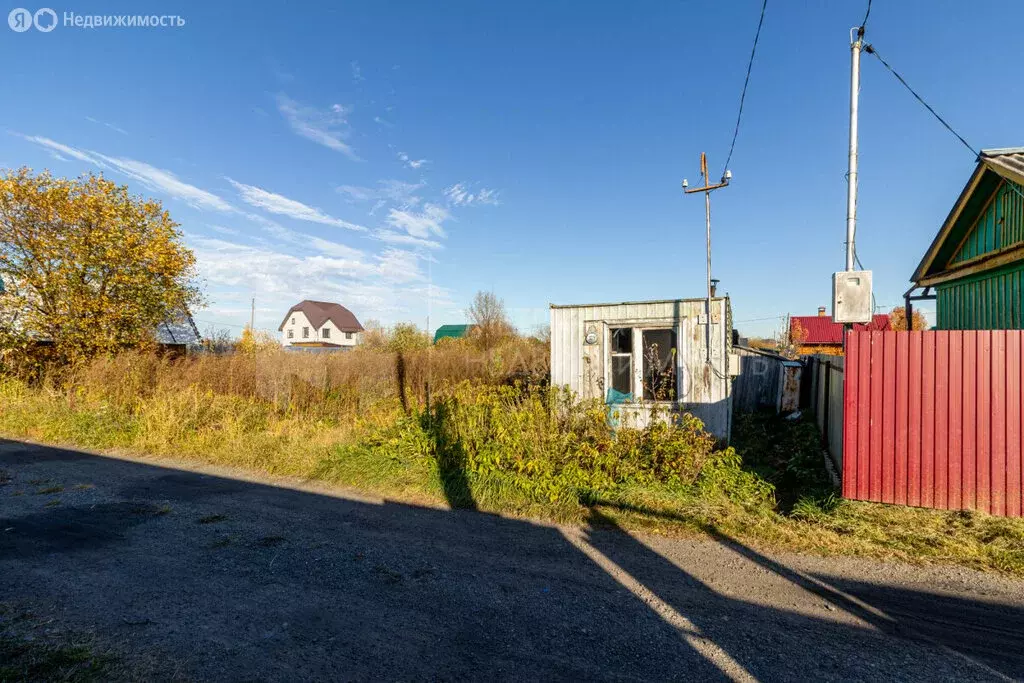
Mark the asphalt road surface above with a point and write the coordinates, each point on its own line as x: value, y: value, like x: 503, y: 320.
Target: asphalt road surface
x: 213, y: 575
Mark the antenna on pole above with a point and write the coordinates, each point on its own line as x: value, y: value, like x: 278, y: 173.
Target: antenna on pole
x: 708, y: 187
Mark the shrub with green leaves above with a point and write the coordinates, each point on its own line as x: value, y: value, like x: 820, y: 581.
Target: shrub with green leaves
x: 547, y: 444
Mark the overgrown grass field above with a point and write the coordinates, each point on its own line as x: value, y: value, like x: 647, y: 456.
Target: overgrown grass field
x: 492, y: 436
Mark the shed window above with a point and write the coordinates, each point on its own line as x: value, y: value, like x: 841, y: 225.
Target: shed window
x: 622, y: 359
x: 659, y: 364
x: 622, y: 340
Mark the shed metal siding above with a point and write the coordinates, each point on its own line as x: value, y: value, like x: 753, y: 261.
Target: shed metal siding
x: 989, y: 301
x: 704, y: 392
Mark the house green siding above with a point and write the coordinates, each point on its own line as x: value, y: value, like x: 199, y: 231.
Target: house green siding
x: 975, y: 264
x: 992, y: 300
x: 1000, y: 225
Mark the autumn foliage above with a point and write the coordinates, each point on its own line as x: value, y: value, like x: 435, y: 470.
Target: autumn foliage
x: 898, y: 319
x: 86, y: 266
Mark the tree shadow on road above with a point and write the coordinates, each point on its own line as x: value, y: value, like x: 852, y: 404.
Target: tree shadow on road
x: 365, y: 590
x: 450, y: 455
x: 982, y: 634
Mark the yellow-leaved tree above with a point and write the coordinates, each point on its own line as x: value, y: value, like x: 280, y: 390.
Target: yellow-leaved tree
x: 898, y: 319
x: 87, y: 266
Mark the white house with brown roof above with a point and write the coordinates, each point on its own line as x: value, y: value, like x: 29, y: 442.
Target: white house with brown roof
x: 319, y: 325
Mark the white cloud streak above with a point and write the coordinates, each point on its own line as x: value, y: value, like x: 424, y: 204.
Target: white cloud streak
x: 392, y: 237
x: 281, y: 205
x: 409, y: 162
x: 328, y: 128
x: 156, y: 179
x: 396, y: 192
x: 420, y: 224
x: 160, y: 180
x: 460, y: 195
x: 389, y: 284
x: 111, y: 126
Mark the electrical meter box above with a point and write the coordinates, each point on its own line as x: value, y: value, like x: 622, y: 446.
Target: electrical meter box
x: 851, y: 296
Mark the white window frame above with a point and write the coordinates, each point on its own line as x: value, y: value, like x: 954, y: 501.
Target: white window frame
x: 637, y: 354
x: 611, y: 355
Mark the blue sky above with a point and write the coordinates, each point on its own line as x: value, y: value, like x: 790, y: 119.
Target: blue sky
x: 398, y: 157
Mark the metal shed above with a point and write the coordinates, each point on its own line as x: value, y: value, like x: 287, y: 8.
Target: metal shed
x: 640, y: 355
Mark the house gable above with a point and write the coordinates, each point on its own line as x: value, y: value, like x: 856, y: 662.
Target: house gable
x: 985, y: 228
x: 999, y: 225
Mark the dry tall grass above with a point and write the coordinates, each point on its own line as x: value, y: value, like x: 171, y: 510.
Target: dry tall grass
x: 316, y: 384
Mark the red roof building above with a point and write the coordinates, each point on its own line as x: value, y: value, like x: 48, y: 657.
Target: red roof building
x: 819, y: 330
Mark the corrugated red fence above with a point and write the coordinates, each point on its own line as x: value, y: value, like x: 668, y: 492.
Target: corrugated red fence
x: 933, y: 419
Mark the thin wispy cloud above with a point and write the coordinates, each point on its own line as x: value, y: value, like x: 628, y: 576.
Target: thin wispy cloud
x: 422, y: 224
x: 111, y: 126
x: 460, y: 195
x: 409, y: 162
x: 156, y: 179
x: 58, y: 150
x: 396, y: 192
x: 404, y: 239
x: 335, y: 249
x: 328, y: 127
x: 284, y: 206
x: 389, y: 284
x: 223, y: 230
x: 305, y: 242
x: 357, y: 73
x: 160, y: 180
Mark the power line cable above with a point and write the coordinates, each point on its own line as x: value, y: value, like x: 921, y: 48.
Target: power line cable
x: 864, y: 24
x: 221, y: 324
x: 755, y: 320
x: 870, y: 49
x: 746, y: 82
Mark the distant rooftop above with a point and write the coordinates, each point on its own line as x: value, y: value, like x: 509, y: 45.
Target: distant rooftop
x: 452, y: 332
x: 821, y: 330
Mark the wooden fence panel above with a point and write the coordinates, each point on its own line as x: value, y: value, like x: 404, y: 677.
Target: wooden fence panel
x: 933, y: 419
x: 757, y: 383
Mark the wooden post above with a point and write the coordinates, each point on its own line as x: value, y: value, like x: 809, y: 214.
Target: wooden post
x: 429, y: 415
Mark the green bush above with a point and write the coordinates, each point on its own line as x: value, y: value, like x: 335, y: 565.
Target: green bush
x: 544, y: 443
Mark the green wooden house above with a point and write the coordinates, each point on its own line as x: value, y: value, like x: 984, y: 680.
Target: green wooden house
x: 974, y: 268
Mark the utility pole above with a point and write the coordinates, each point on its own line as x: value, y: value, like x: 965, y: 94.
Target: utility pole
x: 851, y: 289
x: 851, y: 195
x: 708, y: 187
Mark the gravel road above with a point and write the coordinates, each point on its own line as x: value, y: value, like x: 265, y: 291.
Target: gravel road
x: 209, y: 574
